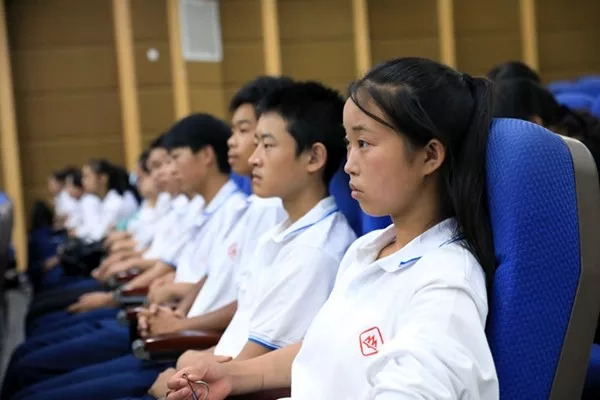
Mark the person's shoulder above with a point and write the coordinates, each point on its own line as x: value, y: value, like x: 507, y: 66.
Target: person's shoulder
x: 452, y: 264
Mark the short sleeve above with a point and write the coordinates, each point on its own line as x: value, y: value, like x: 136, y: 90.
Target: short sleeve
x: 291, y: 296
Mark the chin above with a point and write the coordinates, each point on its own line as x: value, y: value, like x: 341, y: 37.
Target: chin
x: 372, y: 210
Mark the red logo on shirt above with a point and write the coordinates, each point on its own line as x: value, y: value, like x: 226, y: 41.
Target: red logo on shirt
x: 370, y: 340
x: 232, y: 251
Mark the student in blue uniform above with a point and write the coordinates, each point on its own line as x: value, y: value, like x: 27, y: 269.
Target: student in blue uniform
x: 406, y: 317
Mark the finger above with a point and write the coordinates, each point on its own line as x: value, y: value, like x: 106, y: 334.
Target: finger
x: 182, y: 394
x: 177, y: 382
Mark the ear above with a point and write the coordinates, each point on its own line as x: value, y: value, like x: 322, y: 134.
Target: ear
x: 207, y: 155
x: 435, y: 154
x: 317, y: 157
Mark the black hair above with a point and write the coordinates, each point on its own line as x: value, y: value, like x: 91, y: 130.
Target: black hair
x: 143, y: 161
x: 423, y: 100
x: 512, y: 70
x: 198, y: 131
x: 75, y: 176
x: 157, y: 142
x: 313, y: 114
x: 61, y: 174
x: 253, y: 91
x: 118, y: 179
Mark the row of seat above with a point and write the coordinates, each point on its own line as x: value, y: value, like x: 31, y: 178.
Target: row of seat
x: 583, y: 94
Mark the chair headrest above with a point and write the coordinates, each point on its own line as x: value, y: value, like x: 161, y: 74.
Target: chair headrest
x: 533, y: 210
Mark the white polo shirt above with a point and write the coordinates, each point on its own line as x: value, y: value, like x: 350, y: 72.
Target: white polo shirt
x: 143, y: 227
x: 180, y: 231
x: 87, y: 205
x: 64, y: 204
x: 407, y: 326
x: 288, y: 279
x: 209, y: 228
x: 96, y: 225
x: 226, y: 257
x: 168, y: 226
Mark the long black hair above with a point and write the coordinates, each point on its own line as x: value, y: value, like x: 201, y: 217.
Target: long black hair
x: 423, y: 100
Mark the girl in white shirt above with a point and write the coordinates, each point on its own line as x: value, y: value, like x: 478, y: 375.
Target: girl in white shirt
x: 105, y: 181
x: 406, y: 317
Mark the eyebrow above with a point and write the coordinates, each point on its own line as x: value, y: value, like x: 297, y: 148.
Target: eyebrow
x: 360, y: 128
x: 242, y: 121
x: 264, y: 136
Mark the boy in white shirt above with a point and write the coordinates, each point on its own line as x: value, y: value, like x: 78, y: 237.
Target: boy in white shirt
x: 292, y: 270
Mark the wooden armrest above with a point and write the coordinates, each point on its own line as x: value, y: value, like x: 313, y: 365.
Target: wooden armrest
x: 131, y: 313
x: 143, y: 291
x: 181, y: 341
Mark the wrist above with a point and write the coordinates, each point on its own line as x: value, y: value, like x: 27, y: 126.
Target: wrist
x: 241, y: 379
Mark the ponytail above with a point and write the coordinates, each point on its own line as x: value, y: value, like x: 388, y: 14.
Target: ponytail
x: 466, y: 183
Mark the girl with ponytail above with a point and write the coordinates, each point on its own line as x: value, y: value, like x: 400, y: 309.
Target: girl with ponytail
x: 107, y: 183
x: 406, y: 316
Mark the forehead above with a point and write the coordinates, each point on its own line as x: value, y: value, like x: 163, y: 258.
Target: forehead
x: 157, y: 154
x: 244, y: 113
x: 273, y: 124
x: 354, y: 116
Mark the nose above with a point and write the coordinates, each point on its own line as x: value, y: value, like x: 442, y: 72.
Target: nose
x: 351, y: 168
x: 255, y: 160
x: 231, y: 141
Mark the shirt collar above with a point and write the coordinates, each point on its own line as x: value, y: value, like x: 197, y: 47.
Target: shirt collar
x: 322, y: 210
x: 221, y: 197
x: 437, y: 236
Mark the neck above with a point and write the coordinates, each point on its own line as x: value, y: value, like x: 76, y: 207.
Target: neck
x: 151, y: 201
x: 211, y: 186
x: 298, y: 204
x: 412, y: 223
x: 102, y: 193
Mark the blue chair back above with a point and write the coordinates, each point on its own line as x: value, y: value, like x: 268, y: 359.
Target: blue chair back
x: 596, y: 107
x: 576, y: 101
x: 560, y: 86
x: 544, y: 302
x: 590, y: 86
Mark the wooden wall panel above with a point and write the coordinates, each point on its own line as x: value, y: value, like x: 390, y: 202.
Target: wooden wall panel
x: 155, y: 94
x: 66, y: 88
x: 568, y: 38
x: 243, y: 58
x: 487, y: 33
x: 317, y: 41
x: 402, y: 28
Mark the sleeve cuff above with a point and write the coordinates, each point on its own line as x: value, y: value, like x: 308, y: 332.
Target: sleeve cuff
x: 263, y: 343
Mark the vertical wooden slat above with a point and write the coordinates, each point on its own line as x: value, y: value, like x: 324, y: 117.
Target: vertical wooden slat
x: 447, y: 36
x: 362, y: 43
x: 271, y: 43
x: 130, y: 110
x: 529, y: 42
x: 11, y: 164
x: 181, y: 95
